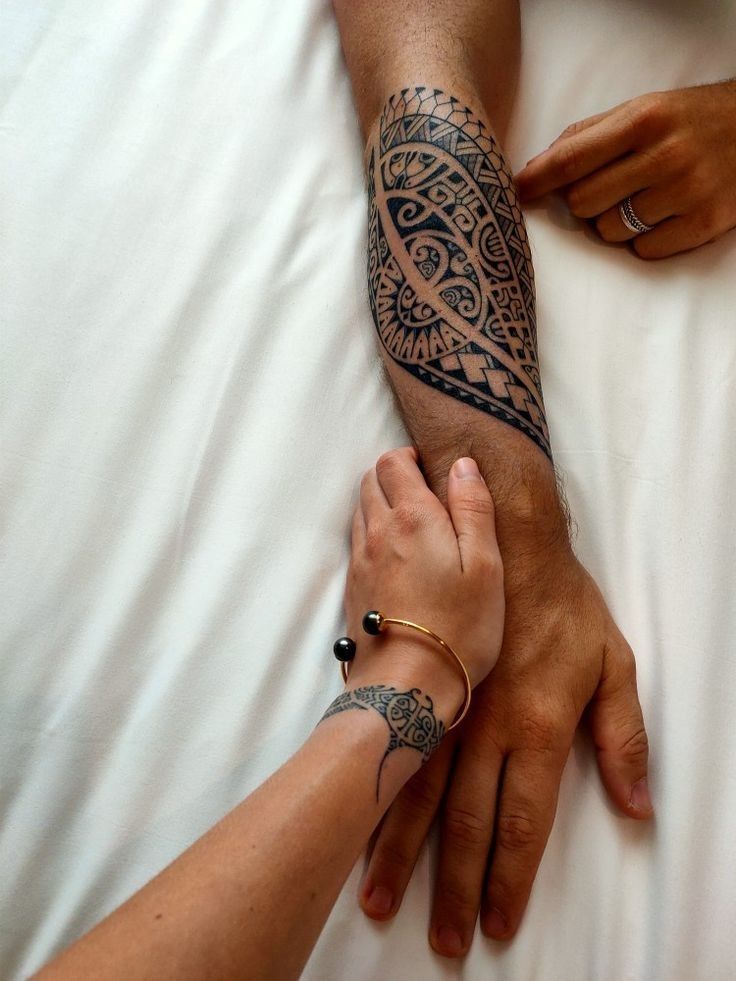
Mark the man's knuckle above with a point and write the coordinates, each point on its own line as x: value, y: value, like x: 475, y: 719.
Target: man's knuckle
x: 636, y: 745
x: 649, y: 114
x: 489, y: 739
x: 646, y: 249
x: 517, y: 831
x: 620, y: 657
x: 465, y: 827
x: 569, y: 160
x: 541, y: 729
x: 394, y: 853
x: 604, y: 229
x: 628, y: 662
x: 673, y: 156
x: 577, y: 201
x: 455, y: 894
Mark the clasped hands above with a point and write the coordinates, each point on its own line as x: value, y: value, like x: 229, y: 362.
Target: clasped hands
x: 494, y: 781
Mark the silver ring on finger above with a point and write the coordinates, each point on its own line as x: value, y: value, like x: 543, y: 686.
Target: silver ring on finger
x: 630, y: 218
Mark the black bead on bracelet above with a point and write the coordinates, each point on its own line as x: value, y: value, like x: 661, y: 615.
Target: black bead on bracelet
x: 344, y: 649
x: 375, y: 623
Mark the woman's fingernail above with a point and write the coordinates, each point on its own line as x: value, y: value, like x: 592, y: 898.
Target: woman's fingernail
x: 380, y: 900
x: 466, y: 469
x: 495, y: 924
x: 449, y: 941
x: 640, y: 799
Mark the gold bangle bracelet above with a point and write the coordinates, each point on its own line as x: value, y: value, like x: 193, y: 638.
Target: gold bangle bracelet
x: 375, y: 623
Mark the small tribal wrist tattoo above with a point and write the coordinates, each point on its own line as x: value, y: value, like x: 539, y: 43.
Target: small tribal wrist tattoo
x: 409, y: 715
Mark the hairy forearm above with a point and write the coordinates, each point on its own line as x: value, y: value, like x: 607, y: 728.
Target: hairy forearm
x: 450, y: 277
x: 467, y: 45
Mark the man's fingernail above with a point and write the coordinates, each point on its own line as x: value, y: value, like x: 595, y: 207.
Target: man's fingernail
x: 449, y: 941
x: 495, y: 924
x: 380, y: 900
x: 640, y: 799
x: 466, y: 469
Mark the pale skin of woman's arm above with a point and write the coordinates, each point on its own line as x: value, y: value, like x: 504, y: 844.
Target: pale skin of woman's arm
x: 250, y: 898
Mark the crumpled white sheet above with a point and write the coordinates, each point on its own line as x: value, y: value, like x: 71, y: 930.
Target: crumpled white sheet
x: 190, y: 390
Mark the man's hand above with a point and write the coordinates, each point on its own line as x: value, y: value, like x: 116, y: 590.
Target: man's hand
x: 562, y: 653
x: 673, y: 153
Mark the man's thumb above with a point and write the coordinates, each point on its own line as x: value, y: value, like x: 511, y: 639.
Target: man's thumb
x: 620, y: 739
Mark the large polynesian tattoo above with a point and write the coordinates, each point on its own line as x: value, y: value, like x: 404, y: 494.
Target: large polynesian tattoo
x: 450, y: 277
x: 409, y: 715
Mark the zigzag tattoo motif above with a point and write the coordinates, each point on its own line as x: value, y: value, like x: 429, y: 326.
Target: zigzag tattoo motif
x: 450, y: 279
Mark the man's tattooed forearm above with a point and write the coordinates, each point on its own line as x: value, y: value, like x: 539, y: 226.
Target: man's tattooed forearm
x: 450, y: 276
x: 409, y: 715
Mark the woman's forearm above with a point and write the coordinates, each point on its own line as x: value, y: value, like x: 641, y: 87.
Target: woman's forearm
x: 251, y: 896
x: 249, y: 899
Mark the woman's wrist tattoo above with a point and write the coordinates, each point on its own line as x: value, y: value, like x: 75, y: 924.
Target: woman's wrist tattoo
x: 409, y: 715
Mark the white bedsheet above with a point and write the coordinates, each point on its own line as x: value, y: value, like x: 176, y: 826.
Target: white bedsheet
x: 190, y: 389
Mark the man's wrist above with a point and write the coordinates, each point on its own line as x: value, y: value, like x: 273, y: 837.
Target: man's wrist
x: 531, y: 513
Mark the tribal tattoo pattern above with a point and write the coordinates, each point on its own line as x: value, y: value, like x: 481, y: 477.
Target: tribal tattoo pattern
x: 409, y: 715
x: 450, y: 278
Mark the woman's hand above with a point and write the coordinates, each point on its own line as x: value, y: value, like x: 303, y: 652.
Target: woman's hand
x: 268, y: 873
x: 413, y: 560
x: 673, y: 153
